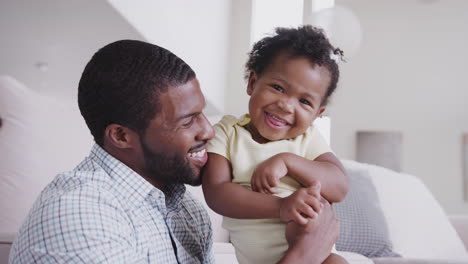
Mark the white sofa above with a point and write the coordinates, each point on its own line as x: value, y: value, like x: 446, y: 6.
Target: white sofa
x: 386, y: 212
x: 404, y: 220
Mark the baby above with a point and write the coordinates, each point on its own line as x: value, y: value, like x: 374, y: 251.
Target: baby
x: 259, y: 163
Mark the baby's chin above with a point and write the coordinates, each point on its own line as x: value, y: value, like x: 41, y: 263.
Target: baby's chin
x: 277, y: 137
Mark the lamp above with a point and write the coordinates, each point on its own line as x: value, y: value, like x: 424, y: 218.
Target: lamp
x: 340, y: 24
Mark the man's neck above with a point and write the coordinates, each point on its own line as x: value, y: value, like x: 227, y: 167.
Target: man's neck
x: 134, y: 162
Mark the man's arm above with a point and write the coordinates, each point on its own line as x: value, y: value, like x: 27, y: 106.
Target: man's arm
x: 313, y: 242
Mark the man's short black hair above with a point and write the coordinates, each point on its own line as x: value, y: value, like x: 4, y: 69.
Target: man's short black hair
x: 305, y: 41
x: 122, y: 82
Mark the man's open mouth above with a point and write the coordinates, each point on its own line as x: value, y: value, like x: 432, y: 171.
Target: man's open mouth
x: 198, y: 158
x: 197, y: 154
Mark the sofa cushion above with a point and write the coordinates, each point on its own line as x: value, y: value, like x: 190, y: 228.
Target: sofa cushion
x: 40, y: 136
x: 416, y: 224
x: 363, y: 228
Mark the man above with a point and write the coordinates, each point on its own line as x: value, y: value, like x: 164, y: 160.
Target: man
x: 126, y: 202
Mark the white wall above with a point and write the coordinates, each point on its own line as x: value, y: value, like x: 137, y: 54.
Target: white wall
x: 252, y: 20
x: 236, y: 98
x: 410, y: 76
x: 63, y: 34
x: 197, y: 31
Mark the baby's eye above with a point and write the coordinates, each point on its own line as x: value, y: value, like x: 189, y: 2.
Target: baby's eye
x: 277, y: 87
x: 304, y: 101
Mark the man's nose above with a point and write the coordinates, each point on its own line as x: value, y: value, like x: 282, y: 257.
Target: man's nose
x: 206, y: 129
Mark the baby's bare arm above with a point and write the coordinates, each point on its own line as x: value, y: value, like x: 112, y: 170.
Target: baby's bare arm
x: 326, y: 169
x: 232, y: 200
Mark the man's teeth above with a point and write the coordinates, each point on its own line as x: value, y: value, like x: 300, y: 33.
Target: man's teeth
x: 198, y: 154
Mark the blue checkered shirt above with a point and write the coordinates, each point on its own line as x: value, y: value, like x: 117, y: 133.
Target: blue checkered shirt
x: 104, y: 212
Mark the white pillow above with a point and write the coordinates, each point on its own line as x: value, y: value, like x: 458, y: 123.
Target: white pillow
x: 40, y: 136
x: 416, y: 223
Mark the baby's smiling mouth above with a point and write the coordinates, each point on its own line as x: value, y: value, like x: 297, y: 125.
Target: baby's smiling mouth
x: 276, y: 120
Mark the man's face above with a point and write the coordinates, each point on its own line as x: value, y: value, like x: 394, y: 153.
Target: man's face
x: 173, y: 145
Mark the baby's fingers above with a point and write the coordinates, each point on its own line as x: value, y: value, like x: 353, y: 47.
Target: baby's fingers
x: 273, y: 181
x: 313, y: 203
x: 308, y: 211
x: 268, y: 186
x: 256, y: 187
x: 299, y: 218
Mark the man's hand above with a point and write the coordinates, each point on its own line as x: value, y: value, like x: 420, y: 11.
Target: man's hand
x: 268, y: 173
x: 301, y: 206
x: 312, y: 243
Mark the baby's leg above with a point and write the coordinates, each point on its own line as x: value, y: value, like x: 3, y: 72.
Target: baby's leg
x: 335, y: 259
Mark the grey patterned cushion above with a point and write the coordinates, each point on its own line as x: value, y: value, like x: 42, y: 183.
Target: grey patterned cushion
x: 363, y: 227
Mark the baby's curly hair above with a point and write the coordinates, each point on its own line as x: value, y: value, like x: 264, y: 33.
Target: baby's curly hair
x: 305, y: 41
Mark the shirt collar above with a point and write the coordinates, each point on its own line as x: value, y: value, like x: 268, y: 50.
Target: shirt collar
x: 131, y: 186
x: 244, y: 120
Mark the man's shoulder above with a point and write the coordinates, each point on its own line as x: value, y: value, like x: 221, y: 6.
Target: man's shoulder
x: 75, y: 212
x: 74, y: 183
x: 85, y: 190
x: 77, y: 191
x: 74, y: 196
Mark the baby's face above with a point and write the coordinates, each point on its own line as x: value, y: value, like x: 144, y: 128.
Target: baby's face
x: 286, y: 98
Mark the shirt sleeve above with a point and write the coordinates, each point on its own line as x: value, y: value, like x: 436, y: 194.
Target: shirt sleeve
x: 316, y: 144
x: 223, y: 131
x: 82, y: 226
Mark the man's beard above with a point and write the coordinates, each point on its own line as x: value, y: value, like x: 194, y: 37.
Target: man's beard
x: 168, y: 169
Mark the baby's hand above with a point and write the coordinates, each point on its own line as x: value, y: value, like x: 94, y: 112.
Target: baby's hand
x: 267, y: 174
x: 301, y: 205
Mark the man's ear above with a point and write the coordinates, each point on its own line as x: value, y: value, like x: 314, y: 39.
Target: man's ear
x: 120, y: 136
x: 251, y: 82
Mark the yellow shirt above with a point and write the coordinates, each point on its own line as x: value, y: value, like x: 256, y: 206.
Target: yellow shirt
x: 236, y: 144
x: 259, y: 240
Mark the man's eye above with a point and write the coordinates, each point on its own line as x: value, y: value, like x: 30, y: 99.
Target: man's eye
x: 277, y: 87
x: 189, y: 123
x: 304, y: 101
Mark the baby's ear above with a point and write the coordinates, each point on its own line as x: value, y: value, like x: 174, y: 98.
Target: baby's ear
x: 321, y: 110
x: 251, y: 82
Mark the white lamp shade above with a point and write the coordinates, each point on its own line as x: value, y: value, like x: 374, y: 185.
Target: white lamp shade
x: 341, y: 26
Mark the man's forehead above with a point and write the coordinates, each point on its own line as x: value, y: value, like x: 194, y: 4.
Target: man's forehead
x: 183, y: 100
